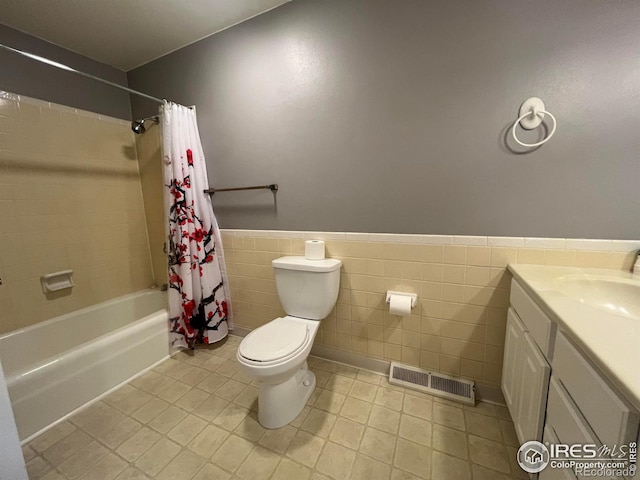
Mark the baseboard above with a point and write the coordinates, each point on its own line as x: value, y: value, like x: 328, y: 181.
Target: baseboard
x: 351, y: 358
x: 239, y: 331
x: 489, y: 393
x: 485, y: 392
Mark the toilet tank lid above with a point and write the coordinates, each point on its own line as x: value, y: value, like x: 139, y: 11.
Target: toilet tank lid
x: 297, y: 262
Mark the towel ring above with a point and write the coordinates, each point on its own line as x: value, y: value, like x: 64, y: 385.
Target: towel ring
x: 533, y: 107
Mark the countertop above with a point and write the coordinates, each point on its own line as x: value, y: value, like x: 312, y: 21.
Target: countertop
x: 609, y: 339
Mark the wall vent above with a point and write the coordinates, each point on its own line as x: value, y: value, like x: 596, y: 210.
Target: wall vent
x: 438, y: 384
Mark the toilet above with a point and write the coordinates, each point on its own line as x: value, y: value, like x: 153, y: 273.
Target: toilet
x: 276, y: 353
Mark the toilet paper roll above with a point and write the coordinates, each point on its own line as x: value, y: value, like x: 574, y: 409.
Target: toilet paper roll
x: 400, y: 305
x: 314, y: 250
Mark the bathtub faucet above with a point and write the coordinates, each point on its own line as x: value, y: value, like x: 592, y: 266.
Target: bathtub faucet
x: 636, y: 266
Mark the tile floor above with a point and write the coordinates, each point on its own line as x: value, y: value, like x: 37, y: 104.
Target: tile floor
x: 194, y: 417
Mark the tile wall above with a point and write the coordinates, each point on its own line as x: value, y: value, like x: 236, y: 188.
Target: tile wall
x: 149, y: 148
x: 70, y: 198
x: 462, y: 284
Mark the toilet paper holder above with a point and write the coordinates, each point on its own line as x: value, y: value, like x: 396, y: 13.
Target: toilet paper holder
x: 414, y: 296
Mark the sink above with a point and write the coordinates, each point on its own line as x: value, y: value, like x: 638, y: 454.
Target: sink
x: 616, y: 295
x: 598, y: 310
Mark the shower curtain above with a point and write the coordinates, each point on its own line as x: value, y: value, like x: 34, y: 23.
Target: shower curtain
x: 199, y: 300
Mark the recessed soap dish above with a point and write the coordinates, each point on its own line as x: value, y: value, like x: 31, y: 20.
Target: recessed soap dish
x: 52, y: 282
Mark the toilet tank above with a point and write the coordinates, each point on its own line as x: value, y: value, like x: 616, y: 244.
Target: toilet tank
x: 307, y: 288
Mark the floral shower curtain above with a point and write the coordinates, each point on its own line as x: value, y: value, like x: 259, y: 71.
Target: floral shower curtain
x: 199, y: 300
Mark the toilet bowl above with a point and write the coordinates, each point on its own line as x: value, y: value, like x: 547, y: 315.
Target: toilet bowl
x: 276, y: 354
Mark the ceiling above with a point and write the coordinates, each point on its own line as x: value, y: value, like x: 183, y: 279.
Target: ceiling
x: 127, y: 33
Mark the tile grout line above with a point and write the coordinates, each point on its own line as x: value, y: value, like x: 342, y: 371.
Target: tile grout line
x: 332, y: 369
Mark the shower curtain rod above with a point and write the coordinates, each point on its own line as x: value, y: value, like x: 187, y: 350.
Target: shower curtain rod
x: 67, y: 68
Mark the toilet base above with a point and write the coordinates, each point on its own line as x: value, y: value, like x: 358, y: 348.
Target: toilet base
x: 280, y: 404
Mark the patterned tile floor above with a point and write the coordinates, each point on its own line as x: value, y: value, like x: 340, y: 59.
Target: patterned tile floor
x: 194, y: 417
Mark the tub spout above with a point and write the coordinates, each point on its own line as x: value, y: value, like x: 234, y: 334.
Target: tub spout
x: 635, y: 270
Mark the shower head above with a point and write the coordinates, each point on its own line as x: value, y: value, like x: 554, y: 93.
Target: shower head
x: 138, y: 125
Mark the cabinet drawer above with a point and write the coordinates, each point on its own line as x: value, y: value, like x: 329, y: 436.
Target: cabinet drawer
x: 610, y: 417
x: 554, y: 473
x: 565, y: 418
x: 541, y: 329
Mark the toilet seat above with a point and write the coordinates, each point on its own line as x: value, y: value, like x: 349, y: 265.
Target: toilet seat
x: 274, y: 342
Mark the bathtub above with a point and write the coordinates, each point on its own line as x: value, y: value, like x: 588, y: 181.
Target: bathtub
x: 58, y: 366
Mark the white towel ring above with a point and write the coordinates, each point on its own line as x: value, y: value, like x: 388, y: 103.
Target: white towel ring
x: 533, y: 107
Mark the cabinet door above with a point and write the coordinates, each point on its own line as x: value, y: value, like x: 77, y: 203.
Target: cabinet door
x: 554, y: 473
x: 532, y: 394
x: 511, y: 365
x: 525, y: 380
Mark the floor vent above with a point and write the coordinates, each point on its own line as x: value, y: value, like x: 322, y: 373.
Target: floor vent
x: 437, y: 384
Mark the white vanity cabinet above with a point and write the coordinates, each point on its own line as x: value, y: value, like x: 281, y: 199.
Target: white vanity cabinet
x: 525, y: 380
x: 554, y: 473
x: 555, y: 392
x: 582, y: 408
x: 526, y: 369
x: 605, y: 412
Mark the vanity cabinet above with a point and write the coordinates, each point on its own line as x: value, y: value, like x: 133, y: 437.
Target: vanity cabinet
x: 554, y: 392
x: 554, y: 473
x: 525, y: 380
x: 610, y: 417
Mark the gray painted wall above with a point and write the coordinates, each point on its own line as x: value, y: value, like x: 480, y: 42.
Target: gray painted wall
x: 382, y: 116
x: 27, y: 77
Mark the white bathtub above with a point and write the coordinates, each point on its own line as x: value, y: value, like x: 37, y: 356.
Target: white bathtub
x: 57, y: 366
